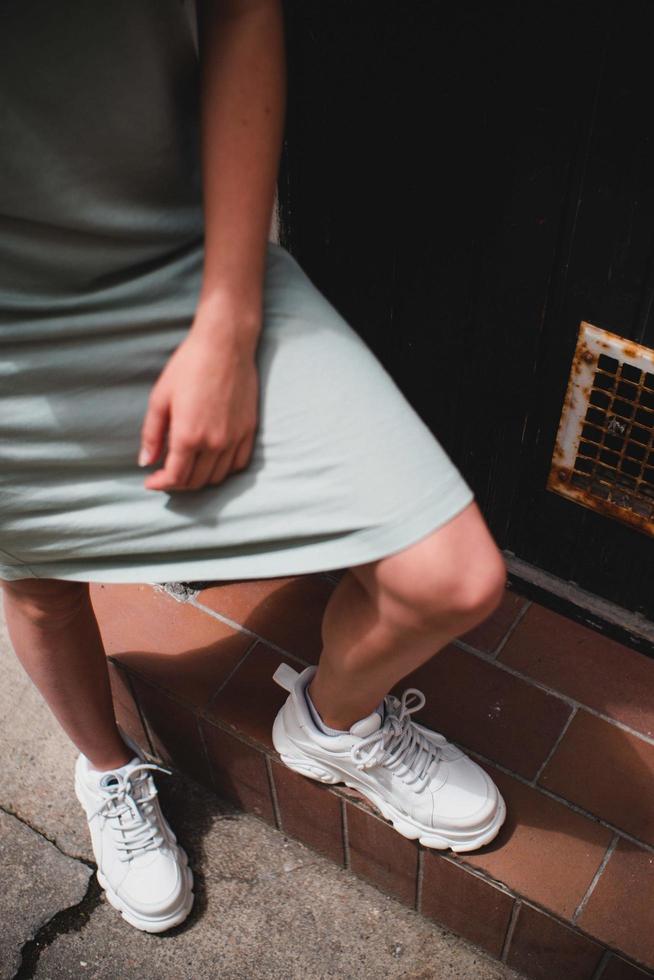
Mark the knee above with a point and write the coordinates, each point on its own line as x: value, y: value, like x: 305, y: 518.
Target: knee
x: 49, y: 604
x: 452, y: 598
x: 476, y: 592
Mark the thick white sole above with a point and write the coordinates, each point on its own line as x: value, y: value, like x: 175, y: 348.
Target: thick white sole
x: 149, y: 923
x: 153, y: 924
x: 297, y: 760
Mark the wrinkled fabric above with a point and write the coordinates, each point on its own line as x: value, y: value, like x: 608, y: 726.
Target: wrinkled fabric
x: 101, y: 249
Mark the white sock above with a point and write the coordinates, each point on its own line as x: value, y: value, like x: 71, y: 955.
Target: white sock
x: 320, y: 724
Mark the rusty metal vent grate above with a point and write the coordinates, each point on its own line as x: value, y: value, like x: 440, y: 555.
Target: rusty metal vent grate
x: 604, y: 454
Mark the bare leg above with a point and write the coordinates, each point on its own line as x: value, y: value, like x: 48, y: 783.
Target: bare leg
x: 55, y: 634
x: 386, y: 618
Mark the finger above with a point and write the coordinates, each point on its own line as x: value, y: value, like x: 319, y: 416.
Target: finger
x: 222, y: 468
x: 243, y: 454
x: 175, y: 473
x: 205, y: 463
x: 153, y: 431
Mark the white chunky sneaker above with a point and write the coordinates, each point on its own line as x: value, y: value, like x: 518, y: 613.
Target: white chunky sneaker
x: 427, y: 787
x: 141, y: 867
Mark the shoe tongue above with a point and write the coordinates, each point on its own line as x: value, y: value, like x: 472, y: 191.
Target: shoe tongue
x: 368, y: 725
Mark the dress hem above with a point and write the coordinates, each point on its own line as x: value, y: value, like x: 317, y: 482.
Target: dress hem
x: 354, y: 548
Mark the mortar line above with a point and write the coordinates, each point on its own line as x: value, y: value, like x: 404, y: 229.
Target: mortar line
x: 514, y: 625
x: 273, y: 793
x: 596, y: 877
x: 346, y: 835
x: 572, y: 702
x: 560, y: 799
x: 522, y: 899
x: 442, y: 855
x: 480, y: 873
x: 230, y: 674
x: 510, y: 929
x: 240, y: 628
x: 557, y: 742
x: 420, y: 876
x: 577, y: 929
x: 601, y: 966
x: 205, y: 753
x: 139, y: 710
x: 156, y: 756
x: 193, y: 709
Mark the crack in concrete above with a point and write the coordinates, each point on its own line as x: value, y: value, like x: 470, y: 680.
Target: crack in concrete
x: 65, y: 921
x: 75, y: 917
x: 74, y: 857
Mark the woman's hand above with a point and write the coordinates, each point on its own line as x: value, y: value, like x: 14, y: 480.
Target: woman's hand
x: 206, y: 401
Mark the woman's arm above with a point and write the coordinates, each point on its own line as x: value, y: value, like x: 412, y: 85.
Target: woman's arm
x: 206, y: 398
x: 243, y: 88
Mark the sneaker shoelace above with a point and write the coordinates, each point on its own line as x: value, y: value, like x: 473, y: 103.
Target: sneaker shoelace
x: 399, y: 744
x: 128, y: 809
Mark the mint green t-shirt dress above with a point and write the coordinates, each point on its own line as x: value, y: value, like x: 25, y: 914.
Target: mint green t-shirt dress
x: 101, y: 247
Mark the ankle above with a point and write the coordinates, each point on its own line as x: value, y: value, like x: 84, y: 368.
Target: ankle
x: 345, y: 715
x: 106, y: 761
x: 318, y: 719
x: 335, y: 721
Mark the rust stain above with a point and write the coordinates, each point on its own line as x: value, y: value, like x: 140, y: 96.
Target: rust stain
x: 632, y: 505
x: 606, y: 508
x: 581, y: 357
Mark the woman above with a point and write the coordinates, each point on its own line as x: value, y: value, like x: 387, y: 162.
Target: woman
x: 147, y: 321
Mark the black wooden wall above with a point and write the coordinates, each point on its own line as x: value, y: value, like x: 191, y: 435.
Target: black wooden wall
x: 467, y: 181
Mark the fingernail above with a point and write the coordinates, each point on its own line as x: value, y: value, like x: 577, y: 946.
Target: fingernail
x: 144, y: 457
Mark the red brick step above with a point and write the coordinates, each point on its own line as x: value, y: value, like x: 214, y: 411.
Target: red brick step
x: 561, y: 717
